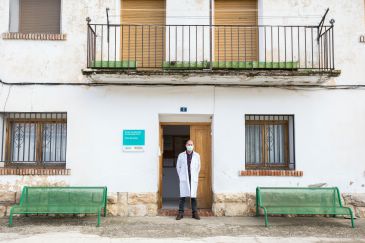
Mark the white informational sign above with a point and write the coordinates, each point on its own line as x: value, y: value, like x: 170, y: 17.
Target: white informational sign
x: 133, y: 140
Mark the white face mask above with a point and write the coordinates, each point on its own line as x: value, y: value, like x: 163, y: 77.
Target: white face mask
x: 189, y: 148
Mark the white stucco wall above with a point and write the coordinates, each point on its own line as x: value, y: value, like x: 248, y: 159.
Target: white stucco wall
x: 328, y: 125
x: 62, y: 61
x: 51, y: 61
x: 329, y: 128
x: 177, y: 14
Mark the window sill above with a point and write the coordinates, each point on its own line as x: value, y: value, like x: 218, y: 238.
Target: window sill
x: 34, y: 36
x: 30, y: 171
x: 294, y: 173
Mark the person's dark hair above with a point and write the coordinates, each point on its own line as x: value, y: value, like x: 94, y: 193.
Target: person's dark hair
x: 187, y: 140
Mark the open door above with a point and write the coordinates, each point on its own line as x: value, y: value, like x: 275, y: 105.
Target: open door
x: 201, y: 135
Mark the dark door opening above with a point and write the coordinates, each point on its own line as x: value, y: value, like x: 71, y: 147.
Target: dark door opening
x: 174, y: 138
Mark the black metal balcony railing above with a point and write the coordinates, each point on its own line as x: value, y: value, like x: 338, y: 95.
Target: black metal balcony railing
x: 199, y: 47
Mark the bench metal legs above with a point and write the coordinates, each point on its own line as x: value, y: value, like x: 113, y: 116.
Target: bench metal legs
x: 352, y: 218
x: 99, y: 214
x: 350, y: 212
x: 266, y: 219
x: 265, y: 215
x: 11, y: 218
x: 257, y: 204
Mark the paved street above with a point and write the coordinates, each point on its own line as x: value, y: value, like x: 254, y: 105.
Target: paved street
x: 166, y: 229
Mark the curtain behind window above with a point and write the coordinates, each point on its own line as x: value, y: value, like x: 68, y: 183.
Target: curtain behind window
x: 54, y: 142
x: 24, y: 139
x: 266, y: 144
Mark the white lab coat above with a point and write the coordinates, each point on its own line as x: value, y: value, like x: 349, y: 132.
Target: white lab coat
x: 182, y: 171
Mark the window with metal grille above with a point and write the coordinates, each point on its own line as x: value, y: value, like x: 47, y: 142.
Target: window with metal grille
x: 35, y: 16
x: 33, y: 139
x: 270, y: 142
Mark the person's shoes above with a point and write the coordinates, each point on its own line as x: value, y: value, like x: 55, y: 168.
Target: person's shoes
x: 196, y: 216
x: 179, y: 216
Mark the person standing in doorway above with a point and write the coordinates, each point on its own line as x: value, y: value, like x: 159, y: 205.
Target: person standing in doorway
x: 188, y: 168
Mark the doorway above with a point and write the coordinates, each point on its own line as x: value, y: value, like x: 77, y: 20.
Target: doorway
x: 172, y: 142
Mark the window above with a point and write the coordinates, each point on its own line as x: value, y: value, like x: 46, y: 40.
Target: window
x: 270, y: 142
x: 35, y: 16
x: 33, y: 139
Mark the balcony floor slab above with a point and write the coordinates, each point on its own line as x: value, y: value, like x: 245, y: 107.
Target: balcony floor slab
x: 209, y: 77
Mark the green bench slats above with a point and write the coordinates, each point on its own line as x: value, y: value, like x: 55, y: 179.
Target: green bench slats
x: 299, y: 200
x: 306, y: 210
x: 61, y: 200
x: 54, y: 209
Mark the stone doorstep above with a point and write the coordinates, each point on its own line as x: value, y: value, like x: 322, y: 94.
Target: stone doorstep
x: 188, y: 212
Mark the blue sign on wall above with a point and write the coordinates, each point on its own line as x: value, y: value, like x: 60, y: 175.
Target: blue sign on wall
x: 133, y: 140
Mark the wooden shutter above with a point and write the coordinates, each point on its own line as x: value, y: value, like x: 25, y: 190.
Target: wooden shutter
x: 143, y: 31
x: 40, y: 16
x: 234, y: 43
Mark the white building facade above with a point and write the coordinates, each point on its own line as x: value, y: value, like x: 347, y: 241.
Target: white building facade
x: 270, y: 96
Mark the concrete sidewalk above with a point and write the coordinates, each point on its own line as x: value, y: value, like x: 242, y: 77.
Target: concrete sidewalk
x: 167, y: 229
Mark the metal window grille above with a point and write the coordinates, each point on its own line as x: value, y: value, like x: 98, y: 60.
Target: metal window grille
x: 33, y: 139
x: 270, y: 142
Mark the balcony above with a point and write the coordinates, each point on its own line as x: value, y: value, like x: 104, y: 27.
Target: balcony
x: 260, y: 50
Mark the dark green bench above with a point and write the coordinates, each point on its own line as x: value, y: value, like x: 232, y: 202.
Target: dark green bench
x: 304, y: 201
x: 61, y: 200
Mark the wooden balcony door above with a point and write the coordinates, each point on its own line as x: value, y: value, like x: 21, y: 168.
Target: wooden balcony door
x: 142, y: 34
x: 235, y: 40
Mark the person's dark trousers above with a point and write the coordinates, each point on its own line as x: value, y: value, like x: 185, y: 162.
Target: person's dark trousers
x: 182, y: 204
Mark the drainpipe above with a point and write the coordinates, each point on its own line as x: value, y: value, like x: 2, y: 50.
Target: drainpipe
x: 211, y: 31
